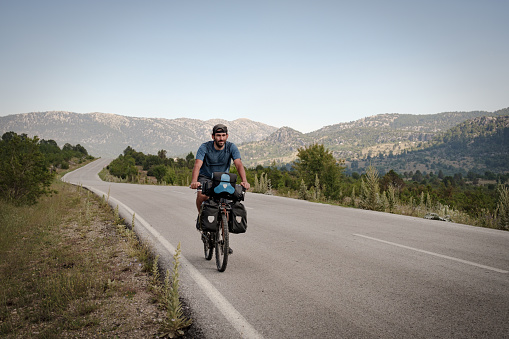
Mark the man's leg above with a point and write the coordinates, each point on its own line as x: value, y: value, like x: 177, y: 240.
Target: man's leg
x: 200, y: 198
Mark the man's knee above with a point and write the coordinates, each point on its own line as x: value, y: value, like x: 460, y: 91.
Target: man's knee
x: 200, y: 198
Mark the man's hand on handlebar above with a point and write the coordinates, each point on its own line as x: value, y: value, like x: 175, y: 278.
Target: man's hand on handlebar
x: 245, y: 184
x: 195, y: 185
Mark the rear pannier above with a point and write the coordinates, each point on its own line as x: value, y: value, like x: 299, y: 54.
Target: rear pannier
x: 238, y: 219
x: 209, y: 216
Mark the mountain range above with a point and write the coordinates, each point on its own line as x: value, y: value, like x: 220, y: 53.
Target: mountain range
x: 107, y: 135
x: 389, y: 140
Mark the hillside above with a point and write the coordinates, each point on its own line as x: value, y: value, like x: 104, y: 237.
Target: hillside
x: 107, y: 135
x: 280, y: 147
x: 478, y: 145
x: 385, y: 132
x: 361, y: 139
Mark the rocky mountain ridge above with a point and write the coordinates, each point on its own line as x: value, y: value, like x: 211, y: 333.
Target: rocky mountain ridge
x: 107, y: 135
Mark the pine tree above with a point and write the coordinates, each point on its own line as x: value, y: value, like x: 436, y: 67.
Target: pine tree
x: 370, y: 191
x: 503, y: 207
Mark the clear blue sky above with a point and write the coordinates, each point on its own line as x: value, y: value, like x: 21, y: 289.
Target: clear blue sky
x: 303, y: 64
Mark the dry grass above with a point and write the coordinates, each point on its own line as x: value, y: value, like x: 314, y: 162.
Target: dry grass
x: 67, y: 270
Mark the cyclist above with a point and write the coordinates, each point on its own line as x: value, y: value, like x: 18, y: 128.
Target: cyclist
x: 215, y: 156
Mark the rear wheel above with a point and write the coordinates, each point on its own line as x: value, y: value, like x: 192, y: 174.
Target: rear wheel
x: 208, y: 244
x: 222, y: 244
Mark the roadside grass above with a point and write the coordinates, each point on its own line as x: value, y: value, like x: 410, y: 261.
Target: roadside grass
x: 67, y: 269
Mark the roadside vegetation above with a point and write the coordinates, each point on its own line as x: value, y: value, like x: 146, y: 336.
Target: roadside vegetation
x: 473, y: 199
x: 29, y: 165
x: 70, y: 266
x: 64, y: 271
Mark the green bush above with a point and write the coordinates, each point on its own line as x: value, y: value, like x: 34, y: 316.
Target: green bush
x: 317, y: 164
x: 24, y: 176
x: 159, y: 172
x: 123, y: 167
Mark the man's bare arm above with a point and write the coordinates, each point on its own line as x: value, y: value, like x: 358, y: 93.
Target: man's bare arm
x: 242, y: 172
x: 196, y: 172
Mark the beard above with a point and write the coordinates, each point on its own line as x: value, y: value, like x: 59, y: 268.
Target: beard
x: 219, y: 144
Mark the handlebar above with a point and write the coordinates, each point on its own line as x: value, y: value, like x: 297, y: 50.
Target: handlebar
x: 232, y: 196
x: 200, y: 187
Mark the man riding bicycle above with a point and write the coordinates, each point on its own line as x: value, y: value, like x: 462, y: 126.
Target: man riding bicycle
x: 215, y: 156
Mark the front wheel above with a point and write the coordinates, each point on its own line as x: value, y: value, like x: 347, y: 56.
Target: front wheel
x: 222, y: 243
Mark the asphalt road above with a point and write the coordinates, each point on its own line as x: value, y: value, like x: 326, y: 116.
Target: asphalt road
x: 306, y: 270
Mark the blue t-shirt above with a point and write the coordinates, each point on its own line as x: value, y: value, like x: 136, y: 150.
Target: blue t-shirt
x: 214, y: 160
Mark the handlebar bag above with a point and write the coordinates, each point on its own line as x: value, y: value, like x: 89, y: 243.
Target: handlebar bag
x: 238, y: 218
x: 224, y: 183
x: 209, y: 216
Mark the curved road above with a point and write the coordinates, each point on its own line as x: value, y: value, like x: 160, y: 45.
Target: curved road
x: 306, y: 270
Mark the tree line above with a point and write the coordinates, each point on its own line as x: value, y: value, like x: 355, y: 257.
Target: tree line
x: 317, y: 176
x: 167, y: 170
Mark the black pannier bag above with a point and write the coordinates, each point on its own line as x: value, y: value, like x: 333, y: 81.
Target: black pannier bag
x: 209, y: 216
x: 238, y: 219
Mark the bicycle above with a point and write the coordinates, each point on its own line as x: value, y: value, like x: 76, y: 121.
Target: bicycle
x: 218, y: 236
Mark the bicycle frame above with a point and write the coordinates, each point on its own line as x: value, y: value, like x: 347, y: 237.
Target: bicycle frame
x: 219, y: 240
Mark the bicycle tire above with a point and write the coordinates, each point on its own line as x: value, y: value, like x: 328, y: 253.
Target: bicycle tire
x: 222, y: 243
x: 208, y: 245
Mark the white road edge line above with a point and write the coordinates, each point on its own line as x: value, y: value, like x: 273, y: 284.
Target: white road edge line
x: 436, y: 254
x: 237, y: 320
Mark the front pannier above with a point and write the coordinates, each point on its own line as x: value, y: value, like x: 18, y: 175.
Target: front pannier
x: 238, y: 219
x: 209, y: 216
